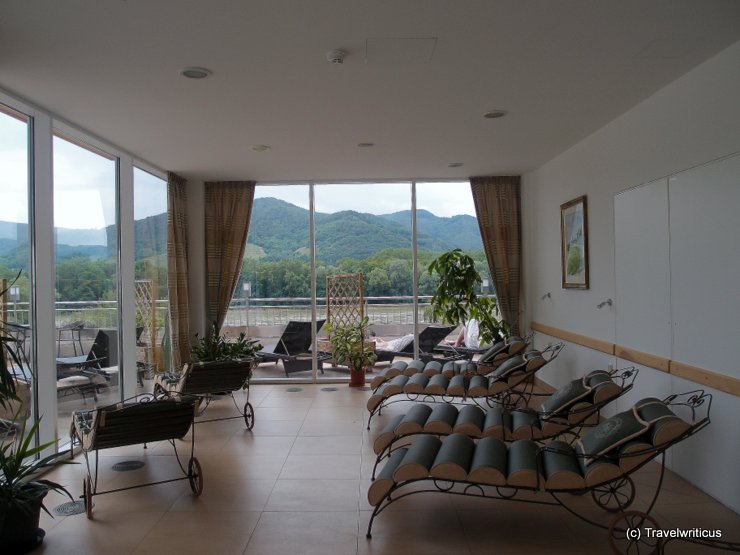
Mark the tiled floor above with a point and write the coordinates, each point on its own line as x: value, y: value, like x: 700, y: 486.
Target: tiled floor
x: 297, y: 484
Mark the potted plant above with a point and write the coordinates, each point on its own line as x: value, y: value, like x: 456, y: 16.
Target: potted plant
x: 455, y: 300
x: 21, y: 491
x: 216, y: 347
x: 349, y: 348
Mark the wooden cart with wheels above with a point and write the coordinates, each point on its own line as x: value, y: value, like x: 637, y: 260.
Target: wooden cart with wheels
x: 139, y: 420
x: 206, y: 379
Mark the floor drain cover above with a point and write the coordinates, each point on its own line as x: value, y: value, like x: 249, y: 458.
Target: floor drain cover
x: 128, y: 465
x: 69, y: 508
x: 328, y: 389
x: 294, y: 389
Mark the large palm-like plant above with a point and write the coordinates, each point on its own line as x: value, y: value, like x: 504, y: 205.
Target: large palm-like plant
x: 455, y: 300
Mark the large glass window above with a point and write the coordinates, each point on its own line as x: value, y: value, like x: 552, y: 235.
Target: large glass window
x: 366, y: 228
x: 150, y: 256
x: 275, y: 284
x: 86, y: 248
x: 446, y: 220
x: 15, y: 309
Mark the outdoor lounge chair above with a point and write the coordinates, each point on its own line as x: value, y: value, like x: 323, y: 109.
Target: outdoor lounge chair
x: 565, y: 413
x: 205, y: 379
x: 510, y: 385
x: 601, y: 462
x: 429, y: 337
x: 138, y: 420
x: 294, y: 348
x: 80, y: 374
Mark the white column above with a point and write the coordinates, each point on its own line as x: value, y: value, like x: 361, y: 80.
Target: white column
x: 126, y: 275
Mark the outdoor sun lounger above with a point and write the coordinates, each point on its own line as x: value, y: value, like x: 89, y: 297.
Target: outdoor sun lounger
x: 294, y: 348
x: 205, y: 379
x: 570, y: 409
x: 601, y: 462
x: 510, y: 385
x: 429, y: 338
x: 487, y: 363
x: 138, y: 420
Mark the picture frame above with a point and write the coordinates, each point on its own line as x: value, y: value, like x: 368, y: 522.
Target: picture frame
x: 574, y: 243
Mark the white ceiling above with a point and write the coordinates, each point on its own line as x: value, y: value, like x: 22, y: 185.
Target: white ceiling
x: 560, y: 68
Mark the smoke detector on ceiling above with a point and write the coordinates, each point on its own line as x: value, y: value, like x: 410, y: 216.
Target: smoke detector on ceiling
x: 336, y: 56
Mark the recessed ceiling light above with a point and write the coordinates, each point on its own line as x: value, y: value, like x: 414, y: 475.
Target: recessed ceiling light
x: 454, y: 165
x: 365, y: 145
x: 261, y: 148
x: 195, y: 72
x: 493, y: 114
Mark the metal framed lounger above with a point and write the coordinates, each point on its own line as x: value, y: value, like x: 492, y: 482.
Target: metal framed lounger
x: 206, y: 379
x: 495, y: 354
x: 566, y: 413
x: 600, y: 463
x: 138, y: 420
x: 510, y: 385
x: 491, y: 358
x: 429, y: 338
x: 294, y: 348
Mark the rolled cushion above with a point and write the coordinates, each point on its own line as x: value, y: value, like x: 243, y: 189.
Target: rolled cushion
x: 612, y: 433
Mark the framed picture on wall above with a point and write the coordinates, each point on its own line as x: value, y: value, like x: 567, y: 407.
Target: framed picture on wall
x: 574, y: 243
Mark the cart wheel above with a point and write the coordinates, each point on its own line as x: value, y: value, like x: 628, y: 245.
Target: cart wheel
x: 627, y: 534
x: 615, y: 496
x: 203, y: 403
x: 249, y: 415
x: 87, y: 496
x: 195, y: 476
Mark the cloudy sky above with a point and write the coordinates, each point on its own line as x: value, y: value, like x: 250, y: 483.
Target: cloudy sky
x: 84, y: 187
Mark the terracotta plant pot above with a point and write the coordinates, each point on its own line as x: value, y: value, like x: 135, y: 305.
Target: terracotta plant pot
x: 356, y: 377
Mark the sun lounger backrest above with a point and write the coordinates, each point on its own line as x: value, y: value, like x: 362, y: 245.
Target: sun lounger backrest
x: 141, y: 422
x: 212, y: 377
x: 429, y: 337
x: 296, y: 338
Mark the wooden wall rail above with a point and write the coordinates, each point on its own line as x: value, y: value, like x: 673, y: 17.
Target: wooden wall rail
x: 722, y: 382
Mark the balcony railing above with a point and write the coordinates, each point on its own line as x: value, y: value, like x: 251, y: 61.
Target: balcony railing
x: 253, y: 312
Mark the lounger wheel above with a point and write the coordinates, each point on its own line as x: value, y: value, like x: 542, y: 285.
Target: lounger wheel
x: 249, y: 415
x: 628, y: 534
x: 195, y: 476
x: 615, y: 496
x: 87, y: 496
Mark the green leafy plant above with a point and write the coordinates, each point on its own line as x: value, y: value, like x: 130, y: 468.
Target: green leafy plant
x: 215, y: 346
x: 455, y: 300
x: 19, y: 463
x: 8, y: 358
x: 349, y: 348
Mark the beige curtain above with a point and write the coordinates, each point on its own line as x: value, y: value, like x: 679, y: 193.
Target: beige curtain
x: 498, y: 206
x: 177, y: 269
x: 228, y: 209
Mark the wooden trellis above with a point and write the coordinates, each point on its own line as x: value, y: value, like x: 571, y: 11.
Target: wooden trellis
x: 345, y: 303
x: 146, y: 315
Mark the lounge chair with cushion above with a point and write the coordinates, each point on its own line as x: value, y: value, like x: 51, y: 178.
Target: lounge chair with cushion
x: 600, y: 463
x: 509, y: 385
x: 429, y: 338
x: 566, y: 413
x: 294, y: 348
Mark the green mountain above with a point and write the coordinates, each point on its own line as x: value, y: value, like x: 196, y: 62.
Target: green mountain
x: 279, y: 230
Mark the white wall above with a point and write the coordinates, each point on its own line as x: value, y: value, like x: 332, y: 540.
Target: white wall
x: 692, y: 121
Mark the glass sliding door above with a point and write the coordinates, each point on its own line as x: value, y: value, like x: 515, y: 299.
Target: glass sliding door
x: 366, y: 228
x: 446, y: 220
x: 15, y: 305
x: 150, y: 259
x: 273, y: 297
x: 86, y: 277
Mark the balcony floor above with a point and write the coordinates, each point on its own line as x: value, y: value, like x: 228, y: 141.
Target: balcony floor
x: 298, y: 482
